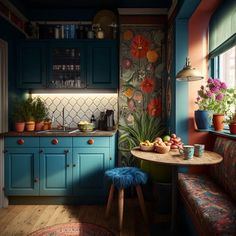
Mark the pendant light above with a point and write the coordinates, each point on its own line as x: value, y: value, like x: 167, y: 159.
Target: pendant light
x: 188, y: 73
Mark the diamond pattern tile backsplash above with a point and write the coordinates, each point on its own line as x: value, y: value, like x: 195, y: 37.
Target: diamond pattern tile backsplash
x: 78, y: 106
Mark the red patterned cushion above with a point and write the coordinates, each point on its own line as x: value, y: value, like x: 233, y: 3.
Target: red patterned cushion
x: 225, y: 172
x: 209, y: 203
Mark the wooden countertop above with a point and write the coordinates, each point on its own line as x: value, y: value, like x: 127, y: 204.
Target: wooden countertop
x: 96, y: 133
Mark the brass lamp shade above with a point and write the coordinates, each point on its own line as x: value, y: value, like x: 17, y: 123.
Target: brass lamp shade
x: 188, y: 73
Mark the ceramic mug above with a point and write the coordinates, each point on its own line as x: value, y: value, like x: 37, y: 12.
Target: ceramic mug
x: 199, y: 150
x: 187, y: 152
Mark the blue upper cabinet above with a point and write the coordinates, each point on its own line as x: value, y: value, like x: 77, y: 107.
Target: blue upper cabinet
x: 68, y: 64
x: 102, y: 65
x: 31, y: 64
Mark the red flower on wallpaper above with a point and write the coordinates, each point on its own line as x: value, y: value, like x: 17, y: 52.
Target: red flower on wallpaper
x: 147, y: 85
x: 139, y: 46
x: 154, y: 107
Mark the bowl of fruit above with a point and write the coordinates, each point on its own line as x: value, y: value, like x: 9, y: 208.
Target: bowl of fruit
x: 146, y: 146
x: 160, y: 146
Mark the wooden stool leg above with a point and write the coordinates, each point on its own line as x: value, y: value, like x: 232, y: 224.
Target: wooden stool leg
x: 141, y: 202
x: 121, y: 207
x: 110, y: 198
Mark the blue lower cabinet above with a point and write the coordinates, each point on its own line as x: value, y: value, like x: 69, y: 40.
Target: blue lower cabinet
x: 88, y: 172
x: 21, y: 171
x: 55, y: 172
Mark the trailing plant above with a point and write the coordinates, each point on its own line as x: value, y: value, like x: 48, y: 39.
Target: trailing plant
x: 40, y: 111
x: 144, y: 127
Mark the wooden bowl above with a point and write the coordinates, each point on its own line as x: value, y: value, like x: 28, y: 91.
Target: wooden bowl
x: 162, y: 149
x: 146, y: 148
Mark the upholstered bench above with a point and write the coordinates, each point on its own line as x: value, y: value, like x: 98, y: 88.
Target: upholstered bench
x: 211, y: 199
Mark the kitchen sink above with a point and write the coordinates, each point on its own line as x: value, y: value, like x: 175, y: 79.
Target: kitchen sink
x: 53, y: 131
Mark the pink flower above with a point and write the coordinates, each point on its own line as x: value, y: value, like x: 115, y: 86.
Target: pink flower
x: 215, y: 89
x: 198, y: 98
x: 217, y: 83
x: 210, y: 81
x: 223, y: 85
x: 220, y: 97
x: 209, y: 94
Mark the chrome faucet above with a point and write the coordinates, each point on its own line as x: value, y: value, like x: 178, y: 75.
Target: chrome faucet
x: 63, y: 119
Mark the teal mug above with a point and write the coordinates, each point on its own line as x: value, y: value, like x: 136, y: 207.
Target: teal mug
x: 187, y: 152
x: 199, y: 150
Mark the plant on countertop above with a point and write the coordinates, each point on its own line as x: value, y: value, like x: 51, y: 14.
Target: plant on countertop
x: 40, y: 111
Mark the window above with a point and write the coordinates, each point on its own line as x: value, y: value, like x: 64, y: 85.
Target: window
x: 227, y: 67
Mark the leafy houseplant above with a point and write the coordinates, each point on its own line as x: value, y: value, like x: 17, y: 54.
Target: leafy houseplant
x: 19, y: 116
x: 144, y: 127
x: 40, y: 112
x: 231, y: 121
x: 217, y: 98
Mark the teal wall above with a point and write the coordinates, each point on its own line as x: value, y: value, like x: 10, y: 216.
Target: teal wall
x: 179, y: 117
x: 10, y: 34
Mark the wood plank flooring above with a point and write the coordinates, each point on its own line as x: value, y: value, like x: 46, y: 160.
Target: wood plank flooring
x: 20, y: 220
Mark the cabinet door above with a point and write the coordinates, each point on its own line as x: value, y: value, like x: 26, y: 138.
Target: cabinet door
x: 22, y: 171
x: 55, y: 171
x: 67, y: 65
x: 102, y: 65
x: 88, y: 171
x: 31, y: 64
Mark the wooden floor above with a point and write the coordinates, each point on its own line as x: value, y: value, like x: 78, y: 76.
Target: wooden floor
x: 23, y: 219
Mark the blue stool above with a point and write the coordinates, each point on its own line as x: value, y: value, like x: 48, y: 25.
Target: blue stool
x: 124, y: 177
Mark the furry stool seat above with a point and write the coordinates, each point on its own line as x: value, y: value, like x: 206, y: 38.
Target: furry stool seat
x: 121, y: 178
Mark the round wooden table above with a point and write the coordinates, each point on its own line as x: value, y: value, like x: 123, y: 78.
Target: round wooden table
x: 175, y: 159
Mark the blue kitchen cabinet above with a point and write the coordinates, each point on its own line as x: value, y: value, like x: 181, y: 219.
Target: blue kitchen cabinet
x: 67, y: 64
x: 88, y: 172
x: 92, y: 156
x: 31, y: 65
x: 21, y: 166
x: 102, y: 65
x: 55, y: 171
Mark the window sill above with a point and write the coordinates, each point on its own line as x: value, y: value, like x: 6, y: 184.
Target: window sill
x: 224, y: 133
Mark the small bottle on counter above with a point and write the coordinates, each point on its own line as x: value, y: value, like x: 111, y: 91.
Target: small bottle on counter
x: 93, y: 120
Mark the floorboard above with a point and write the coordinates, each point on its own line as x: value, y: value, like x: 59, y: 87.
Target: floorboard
x: 21, y: 220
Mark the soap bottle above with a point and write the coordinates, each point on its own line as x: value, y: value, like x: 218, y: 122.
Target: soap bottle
x: 93, y: 121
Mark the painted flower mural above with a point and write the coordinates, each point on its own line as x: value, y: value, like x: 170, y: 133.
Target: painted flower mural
x: 142, y: 69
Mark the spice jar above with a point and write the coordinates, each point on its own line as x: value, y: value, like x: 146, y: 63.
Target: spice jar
x: 100, y: 33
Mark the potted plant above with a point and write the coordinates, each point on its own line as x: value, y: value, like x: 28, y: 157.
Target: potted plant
x: 18, y: 116
x: 218, y: 99
x: 28, y: 113
x: 231, y: 121
x: 40, y: 113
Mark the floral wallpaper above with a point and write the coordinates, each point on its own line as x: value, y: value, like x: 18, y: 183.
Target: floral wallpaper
x: 142, y: 77
x: 142, y: 67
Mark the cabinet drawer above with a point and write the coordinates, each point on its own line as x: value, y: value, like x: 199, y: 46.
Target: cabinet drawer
x: 21, y: 141
x: 56, y: 142
x: 91, y: 142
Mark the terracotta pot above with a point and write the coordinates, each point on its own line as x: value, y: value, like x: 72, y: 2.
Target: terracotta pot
x: 20, y: 126
x: 38, y: 126
x: 232, y: 128
x: 218, y: 121
x: 30, y: 126
x: 47, y: 125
